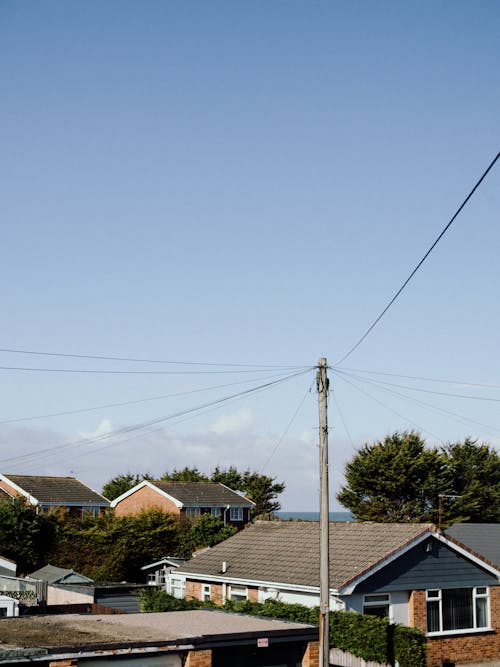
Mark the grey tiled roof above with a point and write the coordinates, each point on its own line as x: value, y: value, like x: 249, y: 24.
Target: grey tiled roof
x: 52, y: 574
x: 58, y: 490
x: 483, y: 538
x: 202, y: 494
x: 288, y: 551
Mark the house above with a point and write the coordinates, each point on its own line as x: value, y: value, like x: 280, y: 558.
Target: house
x: 483, y: 538
x: 411, y: 573
x: 7, y: 567
x: 47, y: 493
x: 59, y: 575
x: 8, y: 606
x: 198, y: 638
x: 190, y: 499
x: 158, y: 571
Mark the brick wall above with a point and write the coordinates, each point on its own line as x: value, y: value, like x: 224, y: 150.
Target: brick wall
x: 311, y: 656
x: 253, y: 594
x: 145, y: 499
x: 199, y: 659
x: 473, y: 647
x: 193, y: 590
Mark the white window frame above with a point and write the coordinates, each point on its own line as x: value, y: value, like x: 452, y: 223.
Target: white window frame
x: 241, y: 592
x: 206, y: 592
x: 216, y: 511
x: 236, y: 514
x: 477, y: 593
x: 177, y: 587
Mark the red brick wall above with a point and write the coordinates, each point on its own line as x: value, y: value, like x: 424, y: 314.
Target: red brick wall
x: 193, y: 590
x: 311, y: 656
x: 471, y: 647
x: 253, y: 594
x: 199, y: 659
x: 145, y: 499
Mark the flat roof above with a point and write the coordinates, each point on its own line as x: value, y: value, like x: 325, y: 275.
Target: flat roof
x: 96, y: 631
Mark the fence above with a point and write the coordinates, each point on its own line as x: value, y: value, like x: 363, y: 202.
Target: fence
x: 29, y: 592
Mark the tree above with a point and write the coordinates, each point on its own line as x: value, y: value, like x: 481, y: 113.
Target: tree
x: 398, y: 479
x: 475, y: 471
x: 25, y: 536
x: 121, y: 484
x: 206, y: 531
x: 184, y: 475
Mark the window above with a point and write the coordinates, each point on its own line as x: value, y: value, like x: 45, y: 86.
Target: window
x: 205, y: 592
x: 177, y: 587
x: 377, y: 605
x: 238, y: 593
x: 236, y: 514
x: 457, y: 609
x: 193, y: 511
x: 216, y: 511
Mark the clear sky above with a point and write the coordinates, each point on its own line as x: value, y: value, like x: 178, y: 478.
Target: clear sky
x: 244, y: 183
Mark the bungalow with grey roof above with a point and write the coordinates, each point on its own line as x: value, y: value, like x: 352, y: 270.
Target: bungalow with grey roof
x: 413, y: 574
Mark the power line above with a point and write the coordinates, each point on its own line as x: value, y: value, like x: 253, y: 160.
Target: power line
x: 95, y: 371
x: 403, y: 286
x: 428, y: 391
x: 387, y: 407
x: 152, y: 422
x: 102, y: 357
x: 464, y: 383
x: 132, y: 402
x: 461, y: 418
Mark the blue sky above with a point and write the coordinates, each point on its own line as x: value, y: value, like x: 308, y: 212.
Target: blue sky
x: 247, y: 183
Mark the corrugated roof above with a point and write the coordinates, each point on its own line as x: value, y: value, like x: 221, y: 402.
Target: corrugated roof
x: 482, y: 538
x: 288, y: 551
x: 202, y: 494
x: 58, y: 490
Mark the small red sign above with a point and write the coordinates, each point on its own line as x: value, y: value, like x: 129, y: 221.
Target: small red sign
x: 263, y: 642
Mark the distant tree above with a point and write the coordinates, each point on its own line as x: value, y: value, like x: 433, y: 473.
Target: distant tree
x: 398, y: 479
x: 25, y: 536
x: 121, y: 484
x: 206, y: 531
x: 475, y: 473
x: 263, y: 490
x: 185, y: 475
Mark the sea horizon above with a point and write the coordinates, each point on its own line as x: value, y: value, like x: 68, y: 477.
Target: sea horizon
x: 313, y: 516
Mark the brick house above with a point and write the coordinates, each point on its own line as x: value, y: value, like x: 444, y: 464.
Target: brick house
x: 411, y: 573
x: 46, y: 493
x: 190, y: 499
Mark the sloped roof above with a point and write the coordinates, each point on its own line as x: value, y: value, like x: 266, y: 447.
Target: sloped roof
x: 54, y: 575
x: 5, y: 495
x: 202, y: 494
x: 482, y: 538
x: 57, y: 490
x: 288, y: 551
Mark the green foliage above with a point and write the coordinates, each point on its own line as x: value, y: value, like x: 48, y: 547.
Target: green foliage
x: 25, y: 536
x: 206, y: 531
x: 364, y: 636
x: 367, y: 637
x: 113, y: 548
x: 184, y: 475
x: 475, y: 472
x: 121, y: 484
x: 395, y: 480
x: 409, y: 646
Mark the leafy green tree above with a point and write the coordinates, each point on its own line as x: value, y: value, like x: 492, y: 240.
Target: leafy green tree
x: 206, y: 531
x: 185, y: 475
x: 114, y: 548
x: 121, y: 484
x: 475, y: 472
x: 25, y: 536
x: 398, y: 479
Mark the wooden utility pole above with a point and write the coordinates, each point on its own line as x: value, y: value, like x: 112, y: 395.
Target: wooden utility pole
x: 324, y: 516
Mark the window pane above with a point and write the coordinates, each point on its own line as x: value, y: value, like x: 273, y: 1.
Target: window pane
x: 433, y: 617
x: 382, y: 610
x: 457, y: 609
x: 481, y: 613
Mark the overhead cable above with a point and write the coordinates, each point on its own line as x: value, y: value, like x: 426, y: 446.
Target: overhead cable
x: 417, y: 267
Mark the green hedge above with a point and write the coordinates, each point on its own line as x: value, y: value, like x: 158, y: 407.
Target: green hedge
x: 367, y: 637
